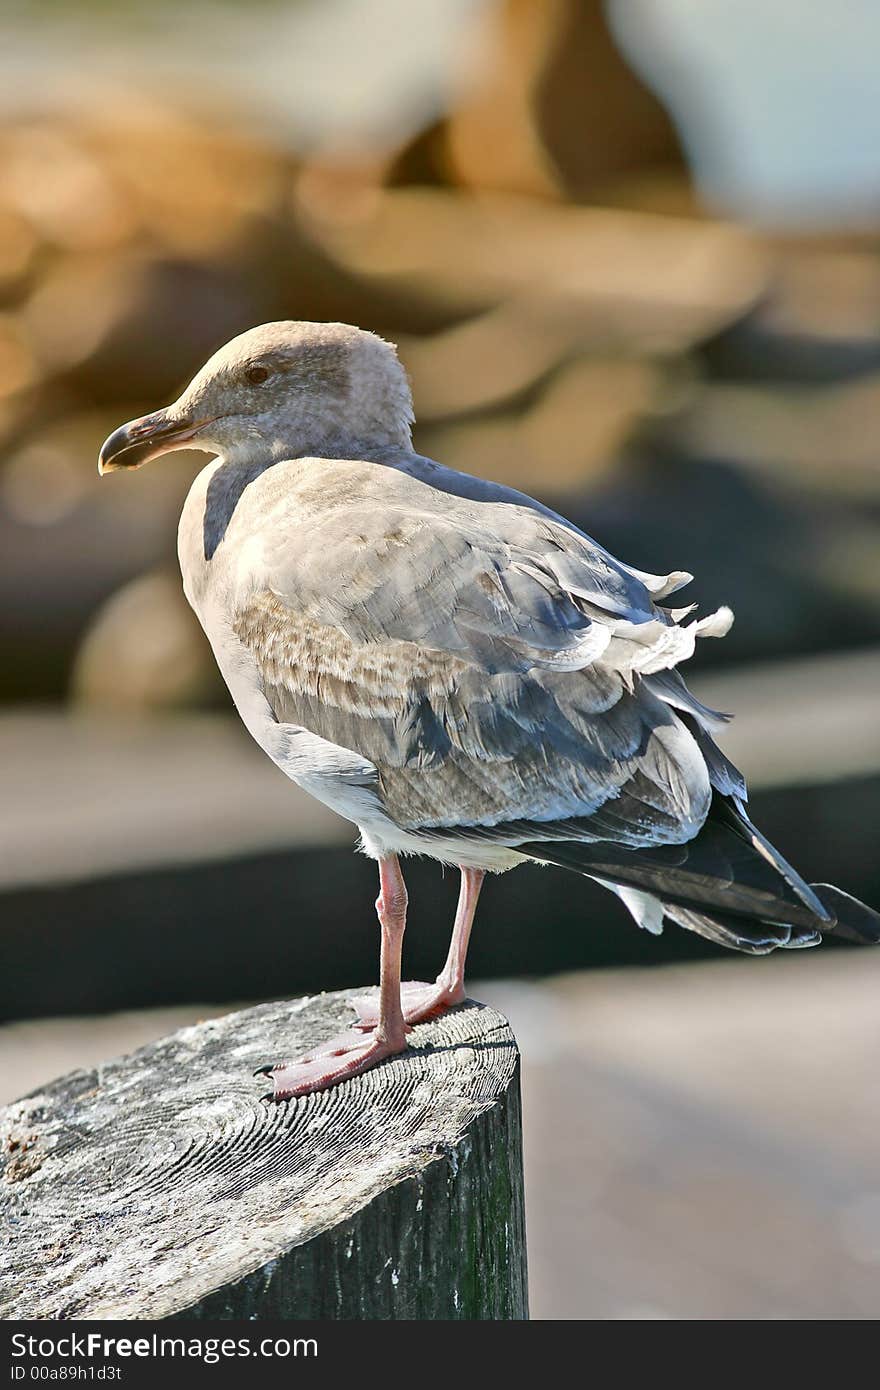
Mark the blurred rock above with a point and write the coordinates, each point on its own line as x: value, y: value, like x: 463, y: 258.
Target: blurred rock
x: 486, y: 360
x: 640, y: 364
x: 198, y: 183
x: 69, y: 539
x: 136, y: 325
x: 568, y: 437
x: 556, y: 112
x: 658, y: 282
x: 825, y: 439
x: 18, y: 368
x: 42, y: 483
x: 18, y: 245
x: 819, y: 320
x: 598, y: 120
x: 66, y: 194
x: 144, y: 650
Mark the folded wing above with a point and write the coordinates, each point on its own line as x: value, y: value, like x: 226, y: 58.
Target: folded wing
x: 494, y: 665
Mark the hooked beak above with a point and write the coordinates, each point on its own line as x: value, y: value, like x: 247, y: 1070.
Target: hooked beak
x: 144, y: 439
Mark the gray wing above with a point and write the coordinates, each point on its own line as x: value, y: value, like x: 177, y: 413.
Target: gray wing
x: 499, y: 670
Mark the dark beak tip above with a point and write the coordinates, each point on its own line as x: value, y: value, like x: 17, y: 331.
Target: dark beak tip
x: 115, y: 462
x: 111, y: 458
x: 140, y: 440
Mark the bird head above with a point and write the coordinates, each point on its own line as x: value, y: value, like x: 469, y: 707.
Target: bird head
x: 290, y: 388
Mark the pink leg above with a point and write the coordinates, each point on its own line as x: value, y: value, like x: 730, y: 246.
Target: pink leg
x: 421, y: 1000
x: 350, y: 1054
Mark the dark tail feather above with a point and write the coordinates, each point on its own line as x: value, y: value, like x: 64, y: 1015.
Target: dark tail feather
x: 720, y: 872
x: 735, y: 815
x: 854, y: 920
x: 728, y: 884
x: 739, y: 934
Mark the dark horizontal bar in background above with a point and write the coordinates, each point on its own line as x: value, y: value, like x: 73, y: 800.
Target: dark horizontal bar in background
x: 300, y: 921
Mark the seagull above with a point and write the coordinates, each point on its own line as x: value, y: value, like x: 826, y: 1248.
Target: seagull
x: 455, y: 668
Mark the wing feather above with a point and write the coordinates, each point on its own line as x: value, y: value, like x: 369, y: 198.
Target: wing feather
x: 489, y: 661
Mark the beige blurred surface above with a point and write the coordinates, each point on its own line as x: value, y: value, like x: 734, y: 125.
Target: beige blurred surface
x: 702, y: 1141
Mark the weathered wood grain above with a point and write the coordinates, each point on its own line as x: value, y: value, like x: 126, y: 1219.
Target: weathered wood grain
x: 161, y: 1185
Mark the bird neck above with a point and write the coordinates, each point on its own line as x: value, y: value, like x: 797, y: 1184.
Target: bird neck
x: 256, y: 455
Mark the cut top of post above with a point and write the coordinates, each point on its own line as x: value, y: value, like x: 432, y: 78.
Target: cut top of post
x: 153, y: 1183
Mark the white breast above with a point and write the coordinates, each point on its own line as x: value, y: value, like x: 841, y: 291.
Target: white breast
x: 338, y: 777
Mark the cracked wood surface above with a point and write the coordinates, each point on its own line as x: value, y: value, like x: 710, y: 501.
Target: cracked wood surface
x: 161, y: 1185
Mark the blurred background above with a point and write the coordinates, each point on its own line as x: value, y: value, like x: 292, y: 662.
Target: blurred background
x: 631, y: 255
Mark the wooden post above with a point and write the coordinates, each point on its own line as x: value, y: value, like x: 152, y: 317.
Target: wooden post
x: 161, y: 1185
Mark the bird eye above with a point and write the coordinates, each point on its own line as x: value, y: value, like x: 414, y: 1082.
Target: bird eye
x: 256, y: 375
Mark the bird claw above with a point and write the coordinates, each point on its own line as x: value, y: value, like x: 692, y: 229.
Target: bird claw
x: 266, y: 1071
